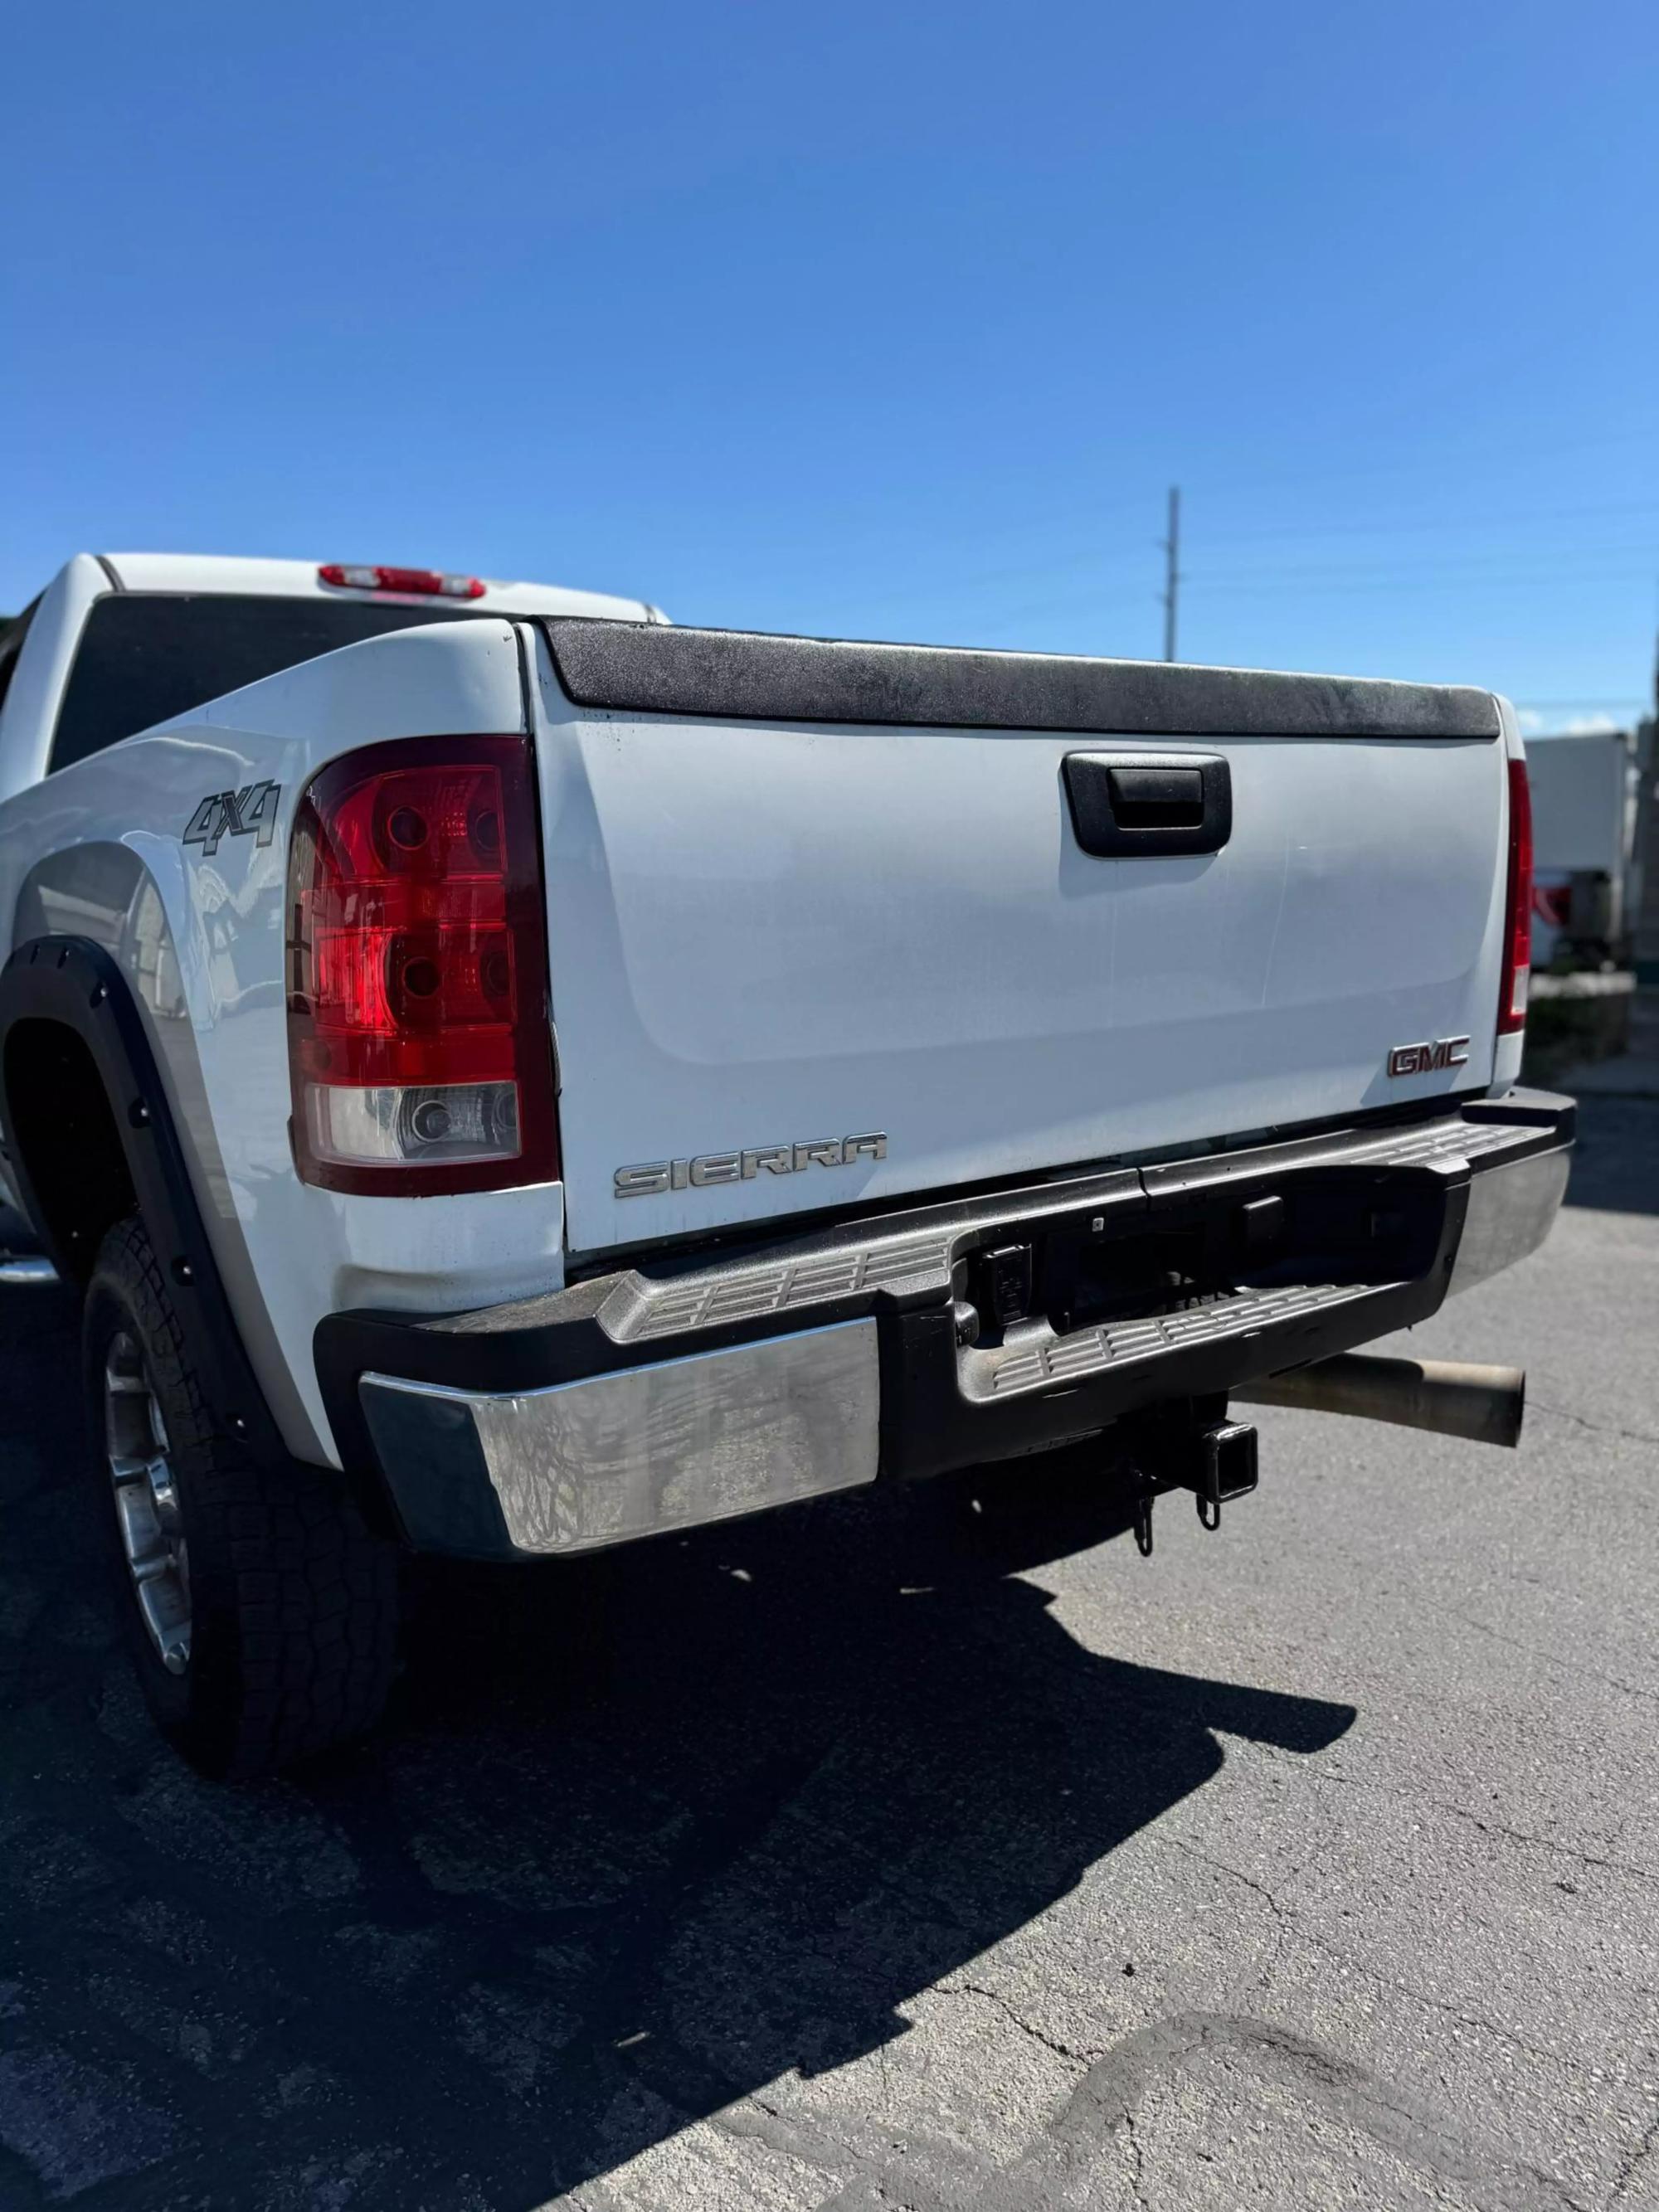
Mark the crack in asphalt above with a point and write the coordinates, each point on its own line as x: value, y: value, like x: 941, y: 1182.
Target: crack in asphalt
x: 1554, y: 1659
x: 1102, y: 2105
x: 1137, y: 2162
x: 1443, y: 2005
x: 1291, y: 1923
x: 1284, y: 1920
x: 813, y: 2145
x: 1438, y: 2147
x: 1577, y: 1852
x: 1629, y: 2167
x: 1584, y: 1421
x: 960, y: 1989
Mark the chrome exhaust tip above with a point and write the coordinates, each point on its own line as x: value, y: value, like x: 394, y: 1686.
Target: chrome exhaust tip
x: 1452, y: 1397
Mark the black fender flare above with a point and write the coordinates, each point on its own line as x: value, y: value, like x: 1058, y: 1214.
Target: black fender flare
x: 75, y: 983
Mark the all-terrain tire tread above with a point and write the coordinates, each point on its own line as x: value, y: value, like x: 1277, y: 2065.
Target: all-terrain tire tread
x: 279, y: 1552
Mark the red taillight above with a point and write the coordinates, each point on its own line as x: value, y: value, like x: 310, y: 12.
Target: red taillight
x: 1517, y: 912
x: 428, y: 583
x: 418, y: 1041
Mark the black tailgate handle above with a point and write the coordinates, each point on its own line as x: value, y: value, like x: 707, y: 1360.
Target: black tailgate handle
x: 1154, y: 805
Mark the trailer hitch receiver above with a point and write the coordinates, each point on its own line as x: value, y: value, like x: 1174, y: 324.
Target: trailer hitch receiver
x: 1217, y: 1464
x: 1227, y: 1468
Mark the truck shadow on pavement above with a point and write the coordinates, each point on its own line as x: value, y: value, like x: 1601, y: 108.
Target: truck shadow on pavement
x: 638, y: 1838
x: 1615, y: 1166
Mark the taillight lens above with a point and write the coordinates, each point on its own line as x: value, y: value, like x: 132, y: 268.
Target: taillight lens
x: 1518, y: 914
x: 418, y: 1040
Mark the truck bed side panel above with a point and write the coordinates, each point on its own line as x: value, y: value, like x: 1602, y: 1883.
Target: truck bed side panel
x: 96, y: 851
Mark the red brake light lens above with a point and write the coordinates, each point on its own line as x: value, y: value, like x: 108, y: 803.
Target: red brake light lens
x: 419, y: 1047
x: 1518, y: 914
x: 429, y: 583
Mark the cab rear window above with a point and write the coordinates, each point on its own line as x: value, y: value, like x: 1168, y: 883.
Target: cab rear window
x: 147, y: 656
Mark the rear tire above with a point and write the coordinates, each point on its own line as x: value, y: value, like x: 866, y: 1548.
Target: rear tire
x: 262, y: 1612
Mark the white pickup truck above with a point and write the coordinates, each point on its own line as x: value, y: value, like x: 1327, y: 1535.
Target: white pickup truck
x: 512, y: 1075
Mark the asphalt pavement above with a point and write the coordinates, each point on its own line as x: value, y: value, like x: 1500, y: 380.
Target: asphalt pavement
x: 936, y: 1852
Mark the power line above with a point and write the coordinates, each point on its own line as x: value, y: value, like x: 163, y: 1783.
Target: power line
x: 1515, y: 557
x: 1415, y: 579
x: 1082, y: 596
x: 1084, y: 560
x: 1172, y: 573
x: 1427, y: 458
x: 1479, y: 518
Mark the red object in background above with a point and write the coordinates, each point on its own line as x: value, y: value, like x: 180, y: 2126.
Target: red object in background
x: 1552, y: 902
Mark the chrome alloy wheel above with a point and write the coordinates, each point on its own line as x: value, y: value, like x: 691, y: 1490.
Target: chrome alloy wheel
x: 146, y: 1502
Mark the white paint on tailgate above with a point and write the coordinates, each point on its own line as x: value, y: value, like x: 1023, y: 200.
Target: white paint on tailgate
x: 762, y: 935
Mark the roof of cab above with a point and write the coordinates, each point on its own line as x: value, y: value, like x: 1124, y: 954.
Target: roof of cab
x: 209, y: 571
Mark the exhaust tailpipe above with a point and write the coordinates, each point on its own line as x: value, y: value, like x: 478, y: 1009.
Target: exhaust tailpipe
x: 1450, y: 1397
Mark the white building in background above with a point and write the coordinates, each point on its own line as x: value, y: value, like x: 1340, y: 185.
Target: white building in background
x: 1586, y: 873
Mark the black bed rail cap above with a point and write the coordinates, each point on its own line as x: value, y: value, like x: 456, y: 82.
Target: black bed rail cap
x: 738, y: 675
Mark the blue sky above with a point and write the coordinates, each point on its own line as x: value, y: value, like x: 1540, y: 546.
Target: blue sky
x: 875, y: 321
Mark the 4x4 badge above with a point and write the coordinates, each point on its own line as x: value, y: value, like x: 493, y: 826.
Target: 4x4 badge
x: 251, y: 811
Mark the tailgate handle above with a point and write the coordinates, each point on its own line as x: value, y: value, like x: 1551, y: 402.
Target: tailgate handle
x: 1152, y: 805
x: 1156, y: 798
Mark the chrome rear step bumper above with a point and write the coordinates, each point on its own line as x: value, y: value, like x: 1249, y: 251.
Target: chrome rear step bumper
x: 673, y: 1394
x: 580, y: 1466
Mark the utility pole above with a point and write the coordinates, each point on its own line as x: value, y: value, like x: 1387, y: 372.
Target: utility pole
x: 1172, y: 573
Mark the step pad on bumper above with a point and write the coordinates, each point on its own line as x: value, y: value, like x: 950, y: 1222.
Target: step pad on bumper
x: 1013, y: 1367
x: 1441, y: 1144
x: 705, y: 1301
x: 644, y: 1308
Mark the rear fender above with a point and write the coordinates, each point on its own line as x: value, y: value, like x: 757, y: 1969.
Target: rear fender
x: 75, y: 984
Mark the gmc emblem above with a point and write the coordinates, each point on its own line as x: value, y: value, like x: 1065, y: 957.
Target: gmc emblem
x: 1429, y: 1058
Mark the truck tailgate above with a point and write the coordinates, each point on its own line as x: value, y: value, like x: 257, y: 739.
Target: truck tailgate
x: 809, y: 949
